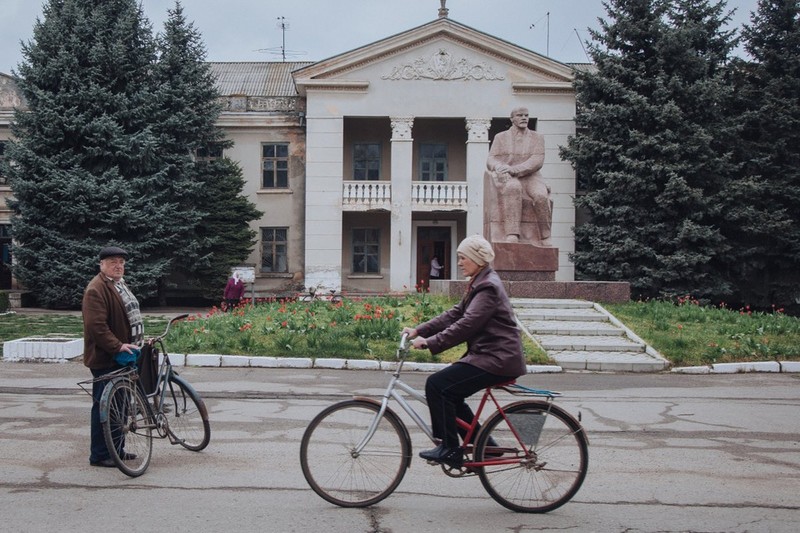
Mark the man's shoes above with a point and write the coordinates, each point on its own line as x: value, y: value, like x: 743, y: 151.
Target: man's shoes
x: 453, y: 457
x: 128, y: 456
x: 106, y: 463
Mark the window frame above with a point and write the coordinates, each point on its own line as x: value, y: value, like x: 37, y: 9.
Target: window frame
x: 279, y: 173
x: 3, y: 177
x: 273, y: 243
x: 433, y: 174
x: 367, y: 161
x: 209, y: 152
x: 372, y: 250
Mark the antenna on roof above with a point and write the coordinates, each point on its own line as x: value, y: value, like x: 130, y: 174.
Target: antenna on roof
x: 532, y: 26
x: 582, y: 46
x: 283, y: 25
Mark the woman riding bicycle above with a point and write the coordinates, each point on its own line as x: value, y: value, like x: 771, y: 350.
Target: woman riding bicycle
x: 484, y: 320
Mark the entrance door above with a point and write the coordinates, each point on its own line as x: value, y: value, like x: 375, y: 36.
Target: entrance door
x: 432, y: 241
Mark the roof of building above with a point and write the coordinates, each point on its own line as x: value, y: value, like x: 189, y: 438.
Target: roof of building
x: 262, y: 78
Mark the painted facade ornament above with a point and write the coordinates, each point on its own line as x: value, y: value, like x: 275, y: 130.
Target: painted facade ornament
x: 442, y: 66
x: 478, y: 129
x: 401, y: 128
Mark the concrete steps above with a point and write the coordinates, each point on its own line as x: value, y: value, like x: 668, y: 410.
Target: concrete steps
x: 581, y: 335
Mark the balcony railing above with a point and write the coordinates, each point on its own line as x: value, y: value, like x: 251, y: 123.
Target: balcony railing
x: 439, y: 195
x: 425, y: 195
x: 366, y: 195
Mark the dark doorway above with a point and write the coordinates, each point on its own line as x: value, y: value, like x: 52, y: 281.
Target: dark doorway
x: 432, y: 241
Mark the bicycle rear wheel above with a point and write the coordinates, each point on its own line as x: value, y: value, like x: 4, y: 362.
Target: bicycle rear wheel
x: 188, y: 417
x: 547, y: 471
x: 338, y: 473
x: 127, y: 427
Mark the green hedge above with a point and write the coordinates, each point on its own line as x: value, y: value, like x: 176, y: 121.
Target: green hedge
x: 4, y: 302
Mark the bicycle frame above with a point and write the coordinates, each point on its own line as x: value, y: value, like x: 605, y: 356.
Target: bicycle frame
x: 391, y: 393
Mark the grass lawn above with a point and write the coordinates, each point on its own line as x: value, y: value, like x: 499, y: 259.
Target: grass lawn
x: 685, y: 333
x: 689, y: 334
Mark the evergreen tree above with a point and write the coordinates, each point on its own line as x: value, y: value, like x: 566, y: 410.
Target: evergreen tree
x: 84, y: 155
x: 208, y: 199
x: 763, y: 205
x: 650, y: 119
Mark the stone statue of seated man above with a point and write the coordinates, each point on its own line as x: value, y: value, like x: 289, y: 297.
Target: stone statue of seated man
x: 522, y: 210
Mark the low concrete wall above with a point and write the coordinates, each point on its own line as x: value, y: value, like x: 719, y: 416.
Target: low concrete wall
x: 44, y: 349
x: 594, y: 291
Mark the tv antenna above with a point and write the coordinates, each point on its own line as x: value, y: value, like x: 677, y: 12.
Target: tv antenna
x: 532, y: 26
x: 284, y: 53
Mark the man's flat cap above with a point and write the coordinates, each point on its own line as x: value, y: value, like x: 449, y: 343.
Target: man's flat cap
x: 113, y: 251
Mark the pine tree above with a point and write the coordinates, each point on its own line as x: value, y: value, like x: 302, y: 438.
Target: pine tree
x: 649, y: 123
x: 763, y: 205
x: 84, y: 155
x: 208, y: 198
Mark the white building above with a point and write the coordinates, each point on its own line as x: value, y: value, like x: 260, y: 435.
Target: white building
x: 368, y: 163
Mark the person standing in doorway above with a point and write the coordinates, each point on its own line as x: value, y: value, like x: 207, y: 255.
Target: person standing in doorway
x: 436, y: 268
x: 112, y: 323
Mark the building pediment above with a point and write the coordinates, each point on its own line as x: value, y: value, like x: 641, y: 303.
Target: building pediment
x: 440, y: 51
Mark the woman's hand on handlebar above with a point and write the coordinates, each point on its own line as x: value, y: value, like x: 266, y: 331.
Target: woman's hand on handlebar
x: 418, y: 343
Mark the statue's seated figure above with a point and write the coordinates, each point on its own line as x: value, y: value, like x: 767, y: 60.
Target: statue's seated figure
x: 518, y: 200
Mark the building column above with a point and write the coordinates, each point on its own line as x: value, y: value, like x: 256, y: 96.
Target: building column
x: 402, y: 172
x: 477, y: 152
x: 324, y: 164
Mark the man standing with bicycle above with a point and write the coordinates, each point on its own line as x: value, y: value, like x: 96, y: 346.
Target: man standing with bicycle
x: 112, y: 324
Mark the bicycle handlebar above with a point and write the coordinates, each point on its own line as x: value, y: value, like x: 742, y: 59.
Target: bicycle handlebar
x: 171, y: 321
x: 403, y: 339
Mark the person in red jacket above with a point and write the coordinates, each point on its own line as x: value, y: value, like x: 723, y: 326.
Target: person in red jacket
x: 484, y: 320
x: 234, y: 290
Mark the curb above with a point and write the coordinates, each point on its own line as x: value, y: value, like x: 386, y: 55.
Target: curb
x: 780, y: 367
x: 238, y: 361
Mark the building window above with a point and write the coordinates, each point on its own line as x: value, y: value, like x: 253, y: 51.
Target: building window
x: 209, y: 152
x: 274, y: 250
x: 433, y: 162
x: 2, y: 160
x: 275, y: 166
x: 366, y: 161
x: 366, y: 251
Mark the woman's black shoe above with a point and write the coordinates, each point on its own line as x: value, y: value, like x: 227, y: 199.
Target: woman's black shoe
x: 442, y: 454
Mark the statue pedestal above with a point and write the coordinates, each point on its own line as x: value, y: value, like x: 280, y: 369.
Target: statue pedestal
x: 525, y: 262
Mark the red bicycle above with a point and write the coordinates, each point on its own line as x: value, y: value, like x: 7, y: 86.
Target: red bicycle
x: 530, y: 455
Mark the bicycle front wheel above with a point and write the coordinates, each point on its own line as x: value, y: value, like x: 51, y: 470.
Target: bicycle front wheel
x: 187, y: 415
x: 337, y: 471
x: 541, y: 467
x: 127, y: 427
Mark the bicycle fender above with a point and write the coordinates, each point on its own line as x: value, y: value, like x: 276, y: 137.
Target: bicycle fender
x: 104, y: 398
x: 394, y: 416
x: 203, y: 409
x: 550, y: 407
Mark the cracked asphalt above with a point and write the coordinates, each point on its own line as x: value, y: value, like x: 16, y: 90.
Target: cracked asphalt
x: 711, y: 453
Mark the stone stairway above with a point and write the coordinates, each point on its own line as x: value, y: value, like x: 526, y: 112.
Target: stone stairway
x: 581, y: 335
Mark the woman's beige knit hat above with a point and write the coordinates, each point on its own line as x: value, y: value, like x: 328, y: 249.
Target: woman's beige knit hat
x: 478, y: 249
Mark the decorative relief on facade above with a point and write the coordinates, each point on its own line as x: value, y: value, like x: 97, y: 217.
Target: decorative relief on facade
x: 443, y: 66
x: 276, y: 104
x: 263, y: 103
x: 401, y: 128
x: 478, y: 129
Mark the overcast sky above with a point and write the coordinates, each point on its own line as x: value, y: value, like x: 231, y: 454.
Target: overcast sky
x: 249, y: 30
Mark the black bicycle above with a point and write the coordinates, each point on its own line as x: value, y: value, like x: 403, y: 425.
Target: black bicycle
x: 138, y: 405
